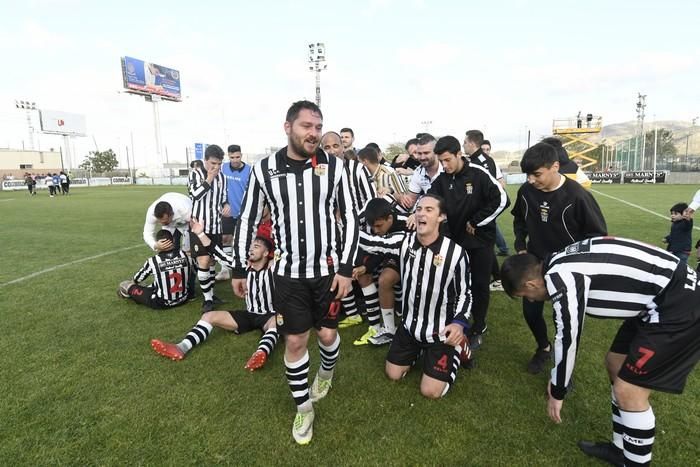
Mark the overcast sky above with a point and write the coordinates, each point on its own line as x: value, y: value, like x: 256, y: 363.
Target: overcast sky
x: 500, y: 66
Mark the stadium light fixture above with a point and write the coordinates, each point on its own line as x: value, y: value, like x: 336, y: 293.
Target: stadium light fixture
x: 317, y: 58
x: 28, y: 107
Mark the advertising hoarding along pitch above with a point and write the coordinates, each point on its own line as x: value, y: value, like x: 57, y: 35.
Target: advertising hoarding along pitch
x: 148, y: 78
x: 62, y: 123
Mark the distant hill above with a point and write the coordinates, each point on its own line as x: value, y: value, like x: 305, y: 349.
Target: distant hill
x: 616, y: 132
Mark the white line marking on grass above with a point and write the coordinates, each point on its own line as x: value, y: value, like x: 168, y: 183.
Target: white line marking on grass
x: 70, y: 263
x: 634, y: 205
x: 3, y: 200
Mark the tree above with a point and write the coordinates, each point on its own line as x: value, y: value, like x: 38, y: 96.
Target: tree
x: 393, y: 150
x: 100, y: 162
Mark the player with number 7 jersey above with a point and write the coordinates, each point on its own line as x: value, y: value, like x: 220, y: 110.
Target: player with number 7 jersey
x: 171, y: 271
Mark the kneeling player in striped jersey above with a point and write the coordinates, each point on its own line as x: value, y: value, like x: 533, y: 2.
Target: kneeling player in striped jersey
x: 436, y: 299
x: 171, y: 272
x: 656, y: 347
x: 258, y: 315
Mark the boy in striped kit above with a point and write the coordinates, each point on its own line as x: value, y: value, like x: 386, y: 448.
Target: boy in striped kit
x: 656, y: 347
x: 209, y: 202
x: 259, y: 313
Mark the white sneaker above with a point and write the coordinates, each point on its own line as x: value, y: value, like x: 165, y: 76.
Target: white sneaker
x: 496, y: 286
x: 223, y: 275
x: 382, y: 337
x: 123, y: 290
x: 319, y: 389
x: 303, y: 427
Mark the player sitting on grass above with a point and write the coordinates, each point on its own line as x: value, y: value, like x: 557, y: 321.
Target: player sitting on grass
x: 259, y: 313
x: 171, y: 277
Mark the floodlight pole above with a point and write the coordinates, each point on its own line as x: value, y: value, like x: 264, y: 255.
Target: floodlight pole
x: 641, y: 105
x: 687, y: 139
x: 28, y: 107
x: 317, y: 58
x: 656, y: 139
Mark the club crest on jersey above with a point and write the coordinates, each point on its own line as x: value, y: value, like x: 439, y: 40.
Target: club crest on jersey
x: 438, y: 260
x: 470, y: 189
x: 544, y: 211
x: 320, y: 170
x: 278, y: 256
x: 196, y: 248
x: 279, y: 319
x: 583, y: 246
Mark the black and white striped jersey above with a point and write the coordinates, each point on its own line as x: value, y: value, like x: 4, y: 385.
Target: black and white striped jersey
x: 171, y: 276
x: 434, y: 281
x: 260, y: 287
x: 605, y: 277
x: 303, y: 197
x: 208, y: 200
x: 361, y: 186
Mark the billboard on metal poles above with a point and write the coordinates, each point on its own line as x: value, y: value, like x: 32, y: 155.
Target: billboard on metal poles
x: 62, y: 123
x: 149, y: 78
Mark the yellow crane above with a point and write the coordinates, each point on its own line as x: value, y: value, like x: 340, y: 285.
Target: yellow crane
x: 575, y: 130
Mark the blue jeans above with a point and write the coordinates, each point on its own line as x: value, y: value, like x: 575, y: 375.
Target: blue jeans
x: 500, y: 241
x: 682, y: 256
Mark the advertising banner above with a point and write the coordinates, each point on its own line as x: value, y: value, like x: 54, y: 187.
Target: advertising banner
x: 644, y: 176
x: 148, y: 78
x: 62, y: 123
x: 605, y: 177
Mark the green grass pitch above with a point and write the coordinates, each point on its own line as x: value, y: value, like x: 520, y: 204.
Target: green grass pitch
x: 80, y: 384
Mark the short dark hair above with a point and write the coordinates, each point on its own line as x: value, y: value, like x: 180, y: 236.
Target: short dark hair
x: 162, y: 208
x: 425, y: 138
x: 213, y: 151
x: 440, y: 200
x: 163, y: 234
x: 410, y: 142
x: 234, y: 148
x: 368, y: 154
x: 374, y: 146
x: 556, y: 143
x: 347, y: 130
x: 538, y: 156
x: 475, y: 136
x: 447, y: 144
x: 265, y: 241
x: 679, y: 207
x: 486, y: 142
x: 377, y: 208
x: 298, y: 106
x: 197, y: 164
x: 516, y: 270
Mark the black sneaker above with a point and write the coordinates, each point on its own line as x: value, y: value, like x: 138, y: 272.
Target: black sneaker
x: 538, y: 361
x: 207, y: 306
x: 217, y: 300
x: 502, y: 253
x: 476, y: 339
x: 605, y: 451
